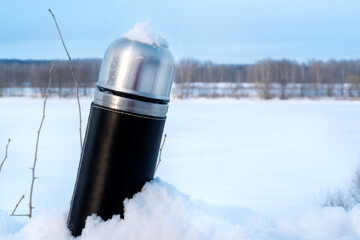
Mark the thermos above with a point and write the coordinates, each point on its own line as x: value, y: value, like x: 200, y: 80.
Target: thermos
x: 124, y: 130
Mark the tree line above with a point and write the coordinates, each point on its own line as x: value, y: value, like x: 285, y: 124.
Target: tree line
x: 34, y: 74
x: 266, y: 78
x: 277, y: 78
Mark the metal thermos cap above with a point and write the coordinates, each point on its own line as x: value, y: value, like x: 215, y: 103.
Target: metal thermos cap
x: 138, y: 69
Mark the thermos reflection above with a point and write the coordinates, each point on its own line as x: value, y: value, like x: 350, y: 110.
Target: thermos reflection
x: 124, y: 129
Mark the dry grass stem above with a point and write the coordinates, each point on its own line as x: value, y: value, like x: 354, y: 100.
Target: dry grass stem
x: 161, y: 148
x: 31, y: 207
x: 13, y: 212
x: 73, y: 74
x: 6, y: 154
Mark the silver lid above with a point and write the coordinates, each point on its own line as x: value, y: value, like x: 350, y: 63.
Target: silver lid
x: 139, y: 69
x: 130, y: 105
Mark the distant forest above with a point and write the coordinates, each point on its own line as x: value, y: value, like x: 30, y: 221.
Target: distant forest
x: 266, y: 78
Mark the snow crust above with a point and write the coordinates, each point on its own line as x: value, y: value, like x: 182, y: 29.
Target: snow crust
x: 162, y: 212
x: 142, y: 33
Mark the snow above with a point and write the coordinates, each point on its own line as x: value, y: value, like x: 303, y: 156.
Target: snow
x: 160, y: 211
x: 142, y: 33
x: 251, y: 170
x: 8, y: 225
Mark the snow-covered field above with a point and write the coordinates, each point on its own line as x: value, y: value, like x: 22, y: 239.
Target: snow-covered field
x: 249, y: 169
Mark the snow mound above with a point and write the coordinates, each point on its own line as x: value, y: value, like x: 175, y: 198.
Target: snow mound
x: 142, y: 33
x: 8, y: 225
x: 160, y: 211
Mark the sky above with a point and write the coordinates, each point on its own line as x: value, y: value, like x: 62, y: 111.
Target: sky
x: 221, y: 31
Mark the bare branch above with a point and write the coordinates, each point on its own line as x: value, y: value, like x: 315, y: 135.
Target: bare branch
x: 31, y: 207
x: 6, y: 154
x: 13, y: 212
x: 161, y: 148
x: 73, y: 74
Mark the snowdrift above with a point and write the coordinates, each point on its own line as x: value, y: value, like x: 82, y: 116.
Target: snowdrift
x: 160, y: 211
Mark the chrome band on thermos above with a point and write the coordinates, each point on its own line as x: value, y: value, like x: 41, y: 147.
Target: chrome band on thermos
x: 124, y: 131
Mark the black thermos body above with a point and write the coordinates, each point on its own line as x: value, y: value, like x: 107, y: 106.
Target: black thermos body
x: 124, y: 131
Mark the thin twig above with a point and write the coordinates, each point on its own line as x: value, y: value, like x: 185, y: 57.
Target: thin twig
x: 6, y: 154
x: 73, y: 74
x: 37, y: 144
x: 161, y: 148
x: 13, y: 212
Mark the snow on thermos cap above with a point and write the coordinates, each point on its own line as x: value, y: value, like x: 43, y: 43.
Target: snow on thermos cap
x: 136, y: 73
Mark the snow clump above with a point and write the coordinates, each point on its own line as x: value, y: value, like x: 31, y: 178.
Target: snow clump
x: 142, y: 33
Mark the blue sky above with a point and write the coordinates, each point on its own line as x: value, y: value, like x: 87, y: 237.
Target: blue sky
x: 221, y: 31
